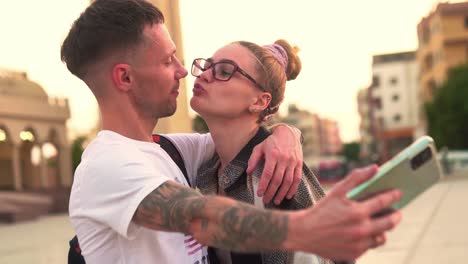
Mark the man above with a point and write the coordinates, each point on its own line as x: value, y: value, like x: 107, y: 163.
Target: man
x: 130, y: 202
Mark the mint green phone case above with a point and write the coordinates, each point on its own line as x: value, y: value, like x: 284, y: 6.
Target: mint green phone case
x: 398, y: 173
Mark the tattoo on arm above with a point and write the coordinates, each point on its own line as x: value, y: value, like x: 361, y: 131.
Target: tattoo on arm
x: 212, y: 220
x: 246, y: 228
x: 169, y: 207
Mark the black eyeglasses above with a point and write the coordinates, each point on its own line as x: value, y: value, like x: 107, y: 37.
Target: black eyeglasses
x: 222, y: 70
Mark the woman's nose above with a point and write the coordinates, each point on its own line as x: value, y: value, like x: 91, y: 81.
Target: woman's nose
x: 207, y: 75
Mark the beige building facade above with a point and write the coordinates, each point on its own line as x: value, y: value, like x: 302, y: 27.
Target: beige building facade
x: 308, y: 124
x: 443, y: 44
x: 396, y: 109
x: 321, y: 135
x: 34, y: 151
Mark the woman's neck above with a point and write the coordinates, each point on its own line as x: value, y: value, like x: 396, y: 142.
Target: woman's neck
x: 230, y: 137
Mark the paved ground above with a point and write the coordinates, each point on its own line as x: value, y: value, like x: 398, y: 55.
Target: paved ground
x: 434, y: 230
x: 43, y: 241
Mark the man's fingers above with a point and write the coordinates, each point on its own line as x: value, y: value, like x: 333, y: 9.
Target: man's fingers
x: 286, y: 184
x: 254, y: 159
x: 297, y: 179
x: 377, y: 241
x: 382, y: 201
x: 385, y: 223
x: 356, y: 177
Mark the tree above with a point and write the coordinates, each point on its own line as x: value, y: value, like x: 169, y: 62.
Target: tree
x: 447, y: 114
x: 77, y: 150
x: 351, y: 151
x: 199, y: 125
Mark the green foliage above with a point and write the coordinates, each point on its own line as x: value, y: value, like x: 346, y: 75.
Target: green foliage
x: 199, y: 125
x: 77, y: 150
x: 351, y: 151
x: 447, y: 114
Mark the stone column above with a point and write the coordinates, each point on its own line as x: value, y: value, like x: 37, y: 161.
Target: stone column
x: 65, y: 165
x: 18, y: 183
x: 44, y: 181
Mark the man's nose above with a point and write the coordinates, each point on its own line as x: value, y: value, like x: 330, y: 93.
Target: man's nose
x: 181, y: 72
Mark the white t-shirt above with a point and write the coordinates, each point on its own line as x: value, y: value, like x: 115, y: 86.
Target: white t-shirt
x: 115, y: 174
x: 195, y: 149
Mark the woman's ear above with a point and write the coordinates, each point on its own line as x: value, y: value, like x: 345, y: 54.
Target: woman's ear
x: 260, y: 103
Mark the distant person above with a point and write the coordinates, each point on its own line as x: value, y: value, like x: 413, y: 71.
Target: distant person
x: 131, y: 204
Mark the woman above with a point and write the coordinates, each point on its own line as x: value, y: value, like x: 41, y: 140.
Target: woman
x: 236, y: 90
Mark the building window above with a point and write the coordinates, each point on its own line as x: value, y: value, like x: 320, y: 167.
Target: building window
x: 381, y: 123
x: 428, y: 62
x: 434, y: 28
x: 466, y: 22
x: 375, y: 81
x: 395, y: 97
x: 393, y: 80
x: 3, y: 135
x: 378, y: 103
x: 397, y: 118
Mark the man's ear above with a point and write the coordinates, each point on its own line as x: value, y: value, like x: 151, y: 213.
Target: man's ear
x: 122, y: 77
x: 260, y: 103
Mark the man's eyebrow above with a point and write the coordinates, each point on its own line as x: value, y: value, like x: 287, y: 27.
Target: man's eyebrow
x: 171, y: 53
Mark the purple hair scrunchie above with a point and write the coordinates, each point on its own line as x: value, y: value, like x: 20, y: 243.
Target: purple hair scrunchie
x: 279, y: 53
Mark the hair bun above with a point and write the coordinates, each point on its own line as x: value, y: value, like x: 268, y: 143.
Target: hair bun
x: 294, y: 62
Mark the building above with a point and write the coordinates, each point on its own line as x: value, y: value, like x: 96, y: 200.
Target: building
x: 443, y: 44
x: 321, y: 135
x: 308, y: 124
x: 368, y: 149
x: 393, y: 101
x: 34, y: 151
x: 330, y: 140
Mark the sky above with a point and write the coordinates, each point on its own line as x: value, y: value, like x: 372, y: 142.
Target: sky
x: 337, y: 40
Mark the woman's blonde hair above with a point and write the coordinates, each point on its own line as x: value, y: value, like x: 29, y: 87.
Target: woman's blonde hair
x: 272, y: 75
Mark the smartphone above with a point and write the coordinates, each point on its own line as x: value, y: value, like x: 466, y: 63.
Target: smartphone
x: 413, y: 170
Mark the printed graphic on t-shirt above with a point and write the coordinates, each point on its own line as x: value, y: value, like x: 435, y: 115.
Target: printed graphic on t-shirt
x: 192, y: 245
x: 194, y: 248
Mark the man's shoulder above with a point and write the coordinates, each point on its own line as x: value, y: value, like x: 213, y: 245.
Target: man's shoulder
x: 108, y: 144
x: 107, y: 155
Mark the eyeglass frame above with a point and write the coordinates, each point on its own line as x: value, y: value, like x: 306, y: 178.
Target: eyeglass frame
x: 213, y: 71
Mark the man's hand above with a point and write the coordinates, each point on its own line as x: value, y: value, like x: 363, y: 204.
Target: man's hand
x: 345, y: 229
x: 283, y: 156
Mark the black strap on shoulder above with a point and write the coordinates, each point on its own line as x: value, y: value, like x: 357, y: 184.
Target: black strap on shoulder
x: 167, y: 145
x: 74, y: 253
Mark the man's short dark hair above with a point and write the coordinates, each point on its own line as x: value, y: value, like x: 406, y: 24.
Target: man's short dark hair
x: 106, y: 26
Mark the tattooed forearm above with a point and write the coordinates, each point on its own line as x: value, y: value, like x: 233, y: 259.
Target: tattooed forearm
x: 170, y: 207
x: 212, y: 220
x: 246, y: 228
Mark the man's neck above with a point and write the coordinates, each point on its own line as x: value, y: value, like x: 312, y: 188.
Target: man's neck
x: 230, y: 137
x: 127, y: 123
